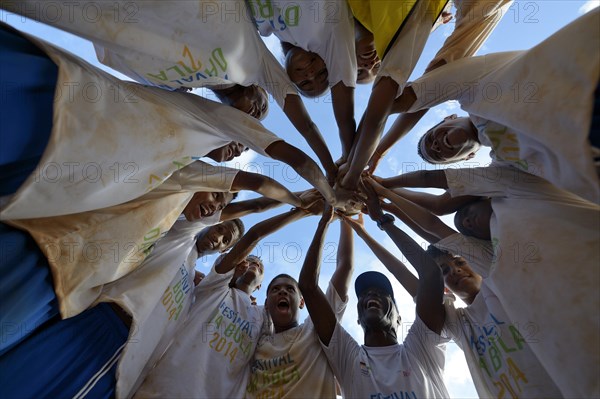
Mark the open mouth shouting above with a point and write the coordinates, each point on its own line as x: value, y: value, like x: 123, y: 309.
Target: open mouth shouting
x: 283, y: 305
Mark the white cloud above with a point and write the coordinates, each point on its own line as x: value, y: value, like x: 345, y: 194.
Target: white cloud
x: 588, y: 6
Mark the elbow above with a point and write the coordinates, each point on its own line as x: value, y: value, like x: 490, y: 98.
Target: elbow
x: 307, y: 287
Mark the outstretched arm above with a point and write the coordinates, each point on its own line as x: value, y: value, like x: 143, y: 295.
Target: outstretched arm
x: 370, y: 129
x: 393, y: 264
x: 260, y: 230
x: 419, y: 178
x: 342, y: 97
x: 316, y: 302
x: 431, y: 284
x: 415, y: 216
x: 239, y: 209
x: 297, y: 114
x: 345, y: 262
x: 264, y: 185
x: 400, y: 214
x: 303, y: 165
x: 437, y: 204
x: 402, y: 125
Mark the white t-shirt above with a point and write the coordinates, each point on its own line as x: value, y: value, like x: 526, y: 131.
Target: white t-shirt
x: 544, y: 269
x: 210, y: 353
x: 89, y: 249
x: 158, y: 295
x: 322, y: 27
x: 161, y: 43
x: 498, y: 351
x: 411, y: 370
x: 475, y: 20
x: 520, y: 100
x: 108, y: 149
x: 291, y: 364
x: 406, y: 50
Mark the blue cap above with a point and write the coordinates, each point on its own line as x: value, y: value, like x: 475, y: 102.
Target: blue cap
x: 373, y: 279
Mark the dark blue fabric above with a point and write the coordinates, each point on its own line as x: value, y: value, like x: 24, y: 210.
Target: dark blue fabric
x: 27, y: 84
x: 27, y: 298
x: 58, y: 360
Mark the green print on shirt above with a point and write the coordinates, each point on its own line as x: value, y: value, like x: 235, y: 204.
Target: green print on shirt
x: 269, y: 376
x: 505, y: 145
x: 185, y: 68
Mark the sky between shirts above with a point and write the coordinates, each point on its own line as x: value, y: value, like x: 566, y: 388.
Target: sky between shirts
x: 525, y: 24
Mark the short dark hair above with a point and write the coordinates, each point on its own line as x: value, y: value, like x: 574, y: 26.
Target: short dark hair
x: 282, y: 275
x: 459, y: 216
x: 235, y: 195
x: 239, y: 225
x: 435, y: 252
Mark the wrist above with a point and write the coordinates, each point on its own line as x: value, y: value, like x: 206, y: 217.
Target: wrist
x: 384, y: 220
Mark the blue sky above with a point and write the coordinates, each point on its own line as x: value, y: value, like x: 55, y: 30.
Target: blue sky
x: 526, y: 24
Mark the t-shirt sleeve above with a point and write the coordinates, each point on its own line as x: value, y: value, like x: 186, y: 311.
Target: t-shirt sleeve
x: 212, y: 281
x: 478, y: 253
x: 426, y: 345
x: 475, y: 21
x: 452, y: 323
x: 499, y: 181
x: 274, y: 78
x: 201, y: 176
x: 241, y: 127
x: 457, y: 80
x: 340, y: 352
x: 338, y: 305
x: 340, y: 54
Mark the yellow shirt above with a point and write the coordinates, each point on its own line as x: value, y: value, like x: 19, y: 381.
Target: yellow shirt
x: 385, y: 18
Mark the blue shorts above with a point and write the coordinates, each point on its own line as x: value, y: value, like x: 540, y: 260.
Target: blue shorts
x: 67, y: 358
x: 27, y: 83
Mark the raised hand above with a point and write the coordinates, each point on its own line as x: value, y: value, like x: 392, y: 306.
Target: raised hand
x: 357, y: 225
x: 373, y: 204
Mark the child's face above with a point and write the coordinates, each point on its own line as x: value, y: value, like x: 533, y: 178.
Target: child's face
x: 283, y: 302
x: 476, y: 219
x: 205, y: 204
x: 227, y: 152
x: 459, y: 277
x: 307, y: 71
x: 217, y: 238
x: 367, y: 61
x: 453, y: 140
x: 252, y: 100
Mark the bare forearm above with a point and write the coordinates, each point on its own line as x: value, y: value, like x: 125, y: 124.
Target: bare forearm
x: 343, y: 110
x: 318, y: 307
x: 419, y: 218
x: 395, y: 266
x: 297, y: 114
x: 403, y: 124
x: 413, y: 251
x: 400, y: 214
x: 420, y: 178
x: 278, y: 192
x: 345, y: 261
x: 242, y: 208
x: 370, y: 129
x: 259, y: 231
x: 303, y: 165
x: 437, y: 204
x: 309, y: 275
